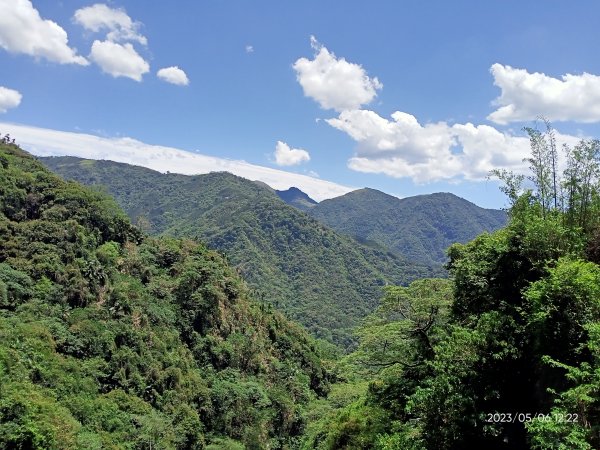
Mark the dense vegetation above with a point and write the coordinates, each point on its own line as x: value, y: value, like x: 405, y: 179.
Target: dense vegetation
x: 505, y: 354
x: 110, y: 339
x: 325, y: 281
x: 421, y: 227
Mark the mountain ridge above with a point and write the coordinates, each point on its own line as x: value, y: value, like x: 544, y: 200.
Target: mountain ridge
x: 420, y: 227
x: 113, y: 339
x: 324, y: 280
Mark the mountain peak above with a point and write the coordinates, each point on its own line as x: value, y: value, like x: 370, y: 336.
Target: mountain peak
x: 370, y: 192
x: 297, y: 198
x: 420, y: 227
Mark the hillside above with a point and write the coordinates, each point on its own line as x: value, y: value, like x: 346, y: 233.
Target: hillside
x: 295, y: 197
x: 516, y: 327
x: 420, y: 227
x: 326, y: 281
x: 109, y: 339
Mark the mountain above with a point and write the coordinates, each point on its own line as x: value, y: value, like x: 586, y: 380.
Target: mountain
x: 324, y: 280
x: 110, y: 339
x: 296, y: 198
x: 421, y: 227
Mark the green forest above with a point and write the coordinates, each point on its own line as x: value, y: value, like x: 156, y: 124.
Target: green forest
x: 112, y: 338
x: 320, y: 278
x: 421, y: 227
x: 504, y: 354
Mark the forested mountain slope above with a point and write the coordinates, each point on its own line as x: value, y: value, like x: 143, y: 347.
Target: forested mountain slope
x: 109, y: 339
x: 420, y: 227
x: 324, y: 280
x: 505, y: 354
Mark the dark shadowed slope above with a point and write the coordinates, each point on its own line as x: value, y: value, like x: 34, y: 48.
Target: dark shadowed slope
x: 295, y: 197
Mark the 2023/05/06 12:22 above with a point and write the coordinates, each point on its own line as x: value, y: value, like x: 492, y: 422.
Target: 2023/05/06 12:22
x: 520, y: 417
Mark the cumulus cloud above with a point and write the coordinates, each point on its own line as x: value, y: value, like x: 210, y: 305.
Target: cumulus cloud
x: 173, y: 75
x: 9, y: 98
x: 46, y: 142
x: 116, y: 22
x: 115, y: 55
x: 286, y: 156
x: 402, y: 147
x: 119, y: 60
x: 333, y: 82
x: 379, y: 137
x: 526, y: 96
x: 22, y: 30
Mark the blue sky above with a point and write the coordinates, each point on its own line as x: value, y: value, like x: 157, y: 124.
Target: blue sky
x: 405, y: 97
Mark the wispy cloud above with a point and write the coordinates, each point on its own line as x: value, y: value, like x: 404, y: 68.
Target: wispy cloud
x: 115, y: 21
x: 47, y: 142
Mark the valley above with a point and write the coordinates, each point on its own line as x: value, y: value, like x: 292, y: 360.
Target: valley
x: 313, y: 270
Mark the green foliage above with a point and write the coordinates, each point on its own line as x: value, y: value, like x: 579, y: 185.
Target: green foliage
x: 397, y: 343
x: 566, y: 317
x: 355, y: 426
x: 110, y: 339
x: 512, y: 185
x: 513, y: 359
x: 323, y: 280
x: 580, y: 185
x: 15, y: 287
x: 406, y: 326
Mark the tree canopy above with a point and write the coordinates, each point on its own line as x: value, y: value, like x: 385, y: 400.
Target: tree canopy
x: 506, y: 354
x: 112, y: 339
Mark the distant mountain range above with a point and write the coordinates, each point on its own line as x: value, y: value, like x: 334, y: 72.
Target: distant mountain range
x: 420, y: 228
x: 325, y: 280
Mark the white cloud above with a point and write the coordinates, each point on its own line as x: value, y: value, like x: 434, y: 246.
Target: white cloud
x: 249, y: 49
x: 379, y: 137
x: 334, y: 82
x: 526, y: 96
x: 173, y: 75
x: 9, y: 98
x: 286, y: 156
x: 119, y: 60
x: 46, y: 142
x: 115, y: 55
x: 402, y: 147
x: 22, y: 30
x: 116, y: 22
